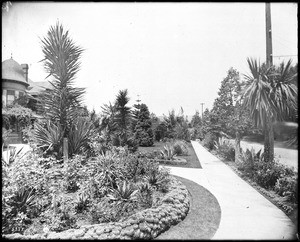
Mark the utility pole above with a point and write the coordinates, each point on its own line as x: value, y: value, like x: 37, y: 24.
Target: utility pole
x: 138, y: 101
x: 202, y: 110
x: 269, y: 36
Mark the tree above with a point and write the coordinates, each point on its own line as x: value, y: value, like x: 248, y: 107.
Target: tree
x: 143, y: 132
x: 123, y: 116
x: 59, y: 105
x: 270, y: 96
x: 195, y: 126
x: 196, y: 120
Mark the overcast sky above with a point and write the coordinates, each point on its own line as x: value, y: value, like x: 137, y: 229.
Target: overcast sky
x: 171, y: 54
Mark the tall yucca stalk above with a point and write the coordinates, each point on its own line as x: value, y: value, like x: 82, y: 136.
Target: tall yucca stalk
x: 61, y: 62
x: 270, y: 96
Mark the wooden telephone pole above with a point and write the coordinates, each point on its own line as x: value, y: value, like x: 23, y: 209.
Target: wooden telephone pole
x: 269, y: 36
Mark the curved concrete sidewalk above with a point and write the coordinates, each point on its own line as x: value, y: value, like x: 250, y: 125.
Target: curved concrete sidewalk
x: 246, y: 214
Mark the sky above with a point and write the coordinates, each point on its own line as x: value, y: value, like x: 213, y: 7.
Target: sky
x: 172, y: 55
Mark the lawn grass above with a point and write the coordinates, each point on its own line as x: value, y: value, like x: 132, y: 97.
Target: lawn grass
x: 203, y: 218
x: 191, y: 158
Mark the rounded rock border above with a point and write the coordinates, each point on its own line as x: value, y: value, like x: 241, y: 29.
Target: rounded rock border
x: 146, y: 224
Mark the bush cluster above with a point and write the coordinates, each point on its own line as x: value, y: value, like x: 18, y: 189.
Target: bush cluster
x: 146, y: 224
x: 270, y: 175
x: 107, y: 188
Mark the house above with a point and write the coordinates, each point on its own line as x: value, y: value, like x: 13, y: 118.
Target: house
x: 15, y: 84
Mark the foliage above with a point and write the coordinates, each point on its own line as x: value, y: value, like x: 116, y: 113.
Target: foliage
x: 288, y: 186
x: 270, y: 95
x: 209, y: 140
x: 143, y: 132
x: 159, y: 179
x: 82, y: 202
x: 106, y: 188
x: 16, y: 114
x: 225, y: 148
x: 180, y: 147
x: 168, y: 153
x: 79, y: 135
x: 49, y: 137
x: 12, y: 154
x: 270, y: 175
x: 145, y: 194
x: 124, y: 192
x: 5, y: 134
x: 60, y: 105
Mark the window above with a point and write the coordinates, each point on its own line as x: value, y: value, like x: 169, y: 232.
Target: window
x: 10, y: 96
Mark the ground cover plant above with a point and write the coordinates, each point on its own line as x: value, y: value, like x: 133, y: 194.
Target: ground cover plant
x: 46, y: 194
x: 171, y: 148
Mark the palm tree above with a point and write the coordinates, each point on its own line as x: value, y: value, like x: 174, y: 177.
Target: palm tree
x: 271, y: 96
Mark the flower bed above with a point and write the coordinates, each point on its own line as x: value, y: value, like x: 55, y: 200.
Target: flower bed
x: 146, y: 224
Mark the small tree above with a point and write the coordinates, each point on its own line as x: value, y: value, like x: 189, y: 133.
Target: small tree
x: 143, y: 132
x: 123, y: 116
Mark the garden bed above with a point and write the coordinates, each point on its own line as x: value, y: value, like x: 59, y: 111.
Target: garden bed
x: 191, y: 158
x: 146, y: 224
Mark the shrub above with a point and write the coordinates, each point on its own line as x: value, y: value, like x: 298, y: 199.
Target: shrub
x: 209, y: 139
x: 225, y: 148
x: 287, y: 186
x: 168, y: 153
x: 82, y: 202
x: 159, y: 179
x: 145, y: 195
x: 79, y: 135
x: 180, y: 147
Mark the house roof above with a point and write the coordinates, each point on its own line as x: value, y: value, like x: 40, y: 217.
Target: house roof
x: 37, y: 87
x: 12, y: 70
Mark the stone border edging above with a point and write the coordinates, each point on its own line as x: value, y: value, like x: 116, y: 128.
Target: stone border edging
x: 146, y: 224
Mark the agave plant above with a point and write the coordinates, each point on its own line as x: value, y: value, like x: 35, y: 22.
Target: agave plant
x: 11, y: 155
x: 168, y: 153
x: 22, y: 201
x: 158, y: 179
x: 124, y: 192
x: 82, y: 202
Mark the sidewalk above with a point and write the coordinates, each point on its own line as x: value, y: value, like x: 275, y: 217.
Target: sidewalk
x: 246, y: 214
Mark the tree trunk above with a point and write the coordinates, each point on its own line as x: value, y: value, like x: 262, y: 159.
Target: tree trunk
x: 269, y: 142
x: 237, y: 147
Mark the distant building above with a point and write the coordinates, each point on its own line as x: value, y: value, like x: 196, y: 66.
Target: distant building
x: 15, y: 83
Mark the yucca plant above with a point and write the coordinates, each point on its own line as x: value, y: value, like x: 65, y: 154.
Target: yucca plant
x: 49, y: 137
x: 60, y: 103
x: 79, y: 135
